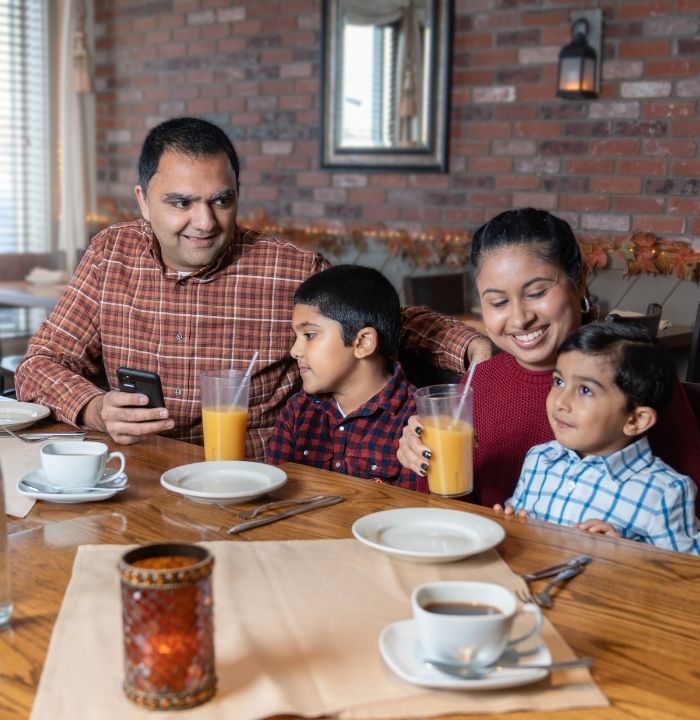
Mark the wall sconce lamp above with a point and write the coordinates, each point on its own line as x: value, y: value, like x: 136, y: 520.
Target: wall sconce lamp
x: 580, y: 60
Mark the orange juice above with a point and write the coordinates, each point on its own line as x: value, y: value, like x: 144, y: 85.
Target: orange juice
x: 451, y: 470
x: 224, y: 432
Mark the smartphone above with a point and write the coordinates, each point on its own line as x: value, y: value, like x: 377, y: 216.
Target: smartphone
x: 141, y: 381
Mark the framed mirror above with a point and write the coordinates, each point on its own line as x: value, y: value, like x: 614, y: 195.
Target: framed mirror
x: 385, y: 80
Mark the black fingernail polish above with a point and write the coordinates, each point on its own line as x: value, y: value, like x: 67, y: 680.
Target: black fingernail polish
x: 424, y: 467
x: 419, y: 430
x: 427, y: 454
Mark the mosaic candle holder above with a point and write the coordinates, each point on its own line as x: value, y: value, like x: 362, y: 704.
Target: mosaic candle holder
x: 168, y: 619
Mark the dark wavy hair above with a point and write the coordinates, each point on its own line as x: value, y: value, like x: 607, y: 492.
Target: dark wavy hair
x: 356, y: 297
x: 190, y: 136
x: 643, y: 369
x: 550, y: 238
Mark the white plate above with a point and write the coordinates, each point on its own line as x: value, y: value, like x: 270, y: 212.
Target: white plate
x: 65, y: 498
x: 402, y: 652
x: 17, y: 415
x: 428, y: 534
x: 226, y: 481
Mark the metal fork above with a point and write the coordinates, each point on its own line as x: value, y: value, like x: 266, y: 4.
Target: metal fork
x: 40, y: 438
x: 543, y: 597
x: 250, y: 514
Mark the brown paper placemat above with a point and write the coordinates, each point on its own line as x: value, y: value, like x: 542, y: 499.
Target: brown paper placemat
x: 296, y: 631
x: 17, y: 458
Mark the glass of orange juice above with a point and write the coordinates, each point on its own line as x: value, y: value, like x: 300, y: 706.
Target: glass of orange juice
x: 224, y: 413
x: 446, y: 415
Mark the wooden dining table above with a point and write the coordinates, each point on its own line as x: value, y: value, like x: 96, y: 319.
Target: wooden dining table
x: 635, y: 609
x: 20, y: 293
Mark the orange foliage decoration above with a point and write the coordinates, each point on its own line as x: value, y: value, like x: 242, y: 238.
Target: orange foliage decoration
x: 440, y: 247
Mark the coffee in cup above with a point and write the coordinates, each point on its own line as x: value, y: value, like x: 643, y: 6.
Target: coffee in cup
x: 468, y: 622
x: 73, y: 464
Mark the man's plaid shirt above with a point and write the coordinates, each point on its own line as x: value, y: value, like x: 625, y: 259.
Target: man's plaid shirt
x: 123, y: 307
x: 312, y: 431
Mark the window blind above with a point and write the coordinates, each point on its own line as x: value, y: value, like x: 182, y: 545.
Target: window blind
x: 25, y: 201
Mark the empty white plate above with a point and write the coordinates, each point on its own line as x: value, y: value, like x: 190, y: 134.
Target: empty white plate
x: 402, y: 652
x: 428, y: 534
x: 17, y: 415
x: 227, y: 481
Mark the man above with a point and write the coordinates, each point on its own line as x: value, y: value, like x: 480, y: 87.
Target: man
x: 183, y: 291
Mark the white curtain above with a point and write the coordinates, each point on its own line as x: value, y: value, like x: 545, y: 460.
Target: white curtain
x: 76, y: 128
x: 413, y: 16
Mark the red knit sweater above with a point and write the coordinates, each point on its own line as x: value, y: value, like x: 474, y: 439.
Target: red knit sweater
x: 510, y: 416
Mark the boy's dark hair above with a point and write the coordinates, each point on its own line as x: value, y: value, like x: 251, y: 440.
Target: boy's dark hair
x: 356, y: 297
x: 190, y: 136
x: 643, y: 369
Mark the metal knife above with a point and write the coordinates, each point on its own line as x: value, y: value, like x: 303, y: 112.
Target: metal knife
x: 34, y: 435
x: 241, y: 527
x: 554, y: 569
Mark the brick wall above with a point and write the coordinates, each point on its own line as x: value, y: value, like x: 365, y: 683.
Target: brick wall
x: 625, y: 162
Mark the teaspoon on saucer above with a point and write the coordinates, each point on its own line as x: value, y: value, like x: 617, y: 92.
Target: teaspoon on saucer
x: 37, y: 486
x: 470, y: 672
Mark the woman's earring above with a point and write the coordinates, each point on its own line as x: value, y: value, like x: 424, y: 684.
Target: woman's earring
x: 586, y: 305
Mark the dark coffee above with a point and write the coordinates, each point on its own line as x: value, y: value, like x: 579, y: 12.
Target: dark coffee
x: 461, y: 608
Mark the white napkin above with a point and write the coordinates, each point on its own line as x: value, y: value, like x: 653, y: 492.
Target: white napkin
x: 16, y: 459
x: 44, y: 276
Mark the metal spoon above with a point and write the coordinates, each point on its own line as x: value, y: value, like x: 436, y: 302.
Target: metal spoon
x: 469, y: 672
x: 117, y: 483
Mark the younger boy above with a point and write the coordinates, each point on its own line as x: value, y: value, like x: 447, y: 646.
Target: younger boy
x: 599, y: 475
x: 355, y: 401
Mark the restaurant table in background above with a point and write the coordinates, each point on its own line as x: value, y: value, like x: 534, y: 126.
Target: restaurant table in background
x: 634, y: 609
x: 31, y: 295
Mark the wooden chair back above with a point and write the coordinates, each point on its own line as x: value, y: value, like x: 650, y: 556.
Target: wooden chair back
x: 692, y: 374
x: 448, y: 293
x: 692, y: 391
x: 650, y: 320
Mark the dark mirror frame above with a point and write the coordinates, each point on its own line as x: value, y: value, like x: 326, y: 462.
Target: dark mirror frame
x: 431, y: 157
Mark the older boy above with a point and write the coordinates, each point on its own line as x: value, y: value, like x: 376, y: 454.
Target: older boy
x: 599, y: 474
x: 355, y: 400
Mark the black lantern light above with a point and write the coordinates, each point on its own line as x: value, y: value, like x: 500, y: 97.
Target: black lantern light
x: 578, y: 65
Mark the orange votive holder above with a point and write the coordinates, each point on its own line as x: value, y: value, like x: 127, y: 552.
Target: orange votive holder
x: 168, y: 619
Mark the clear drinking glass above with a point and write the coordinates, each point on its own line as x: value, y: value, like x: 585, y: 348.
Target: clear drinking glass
x: 224, y: 414
x: 448, y: 430
x: 168, y: 620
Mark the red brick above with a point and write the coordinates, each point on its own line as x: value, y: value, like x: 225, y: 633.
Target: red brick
x: 631, y: 204
x: 472, y: 77
x: 488, y: 130
x: 517, y: 182
x: 616, y: 185
x: 641, y: 167
x: 661, y: 224
x: 542, y: 18
x: 672, y: 67
x: 201, y: 106
x: 684, y: 205
x: 658, y: 47
x: 381, y: 213
x: 688, y: 6
x: 421, y: 214
x: 537, y: 129
x: 471, y: 41
x: 643, y: 10
x: 260, y: 192
x: 366, y: 196
x: 387, y: 180
x: 440, y: 182
x: 668, y: 109
x: 615, y: 147
x: 548, y: 201
x: 542, y: 92
x: 673, y: 148
x: 686, y: 167
x: 686, y: 128
x: 494, y: 57
x: 490, y: 164
x: 589, y: 166
x: 585, y: 203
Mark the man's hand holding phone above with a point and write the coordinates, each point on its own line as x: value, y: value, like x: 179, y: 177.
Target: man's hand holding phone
x: 131, y: 413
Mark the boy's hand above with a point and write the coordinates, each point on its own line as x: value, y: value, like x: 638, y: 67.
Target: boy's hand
x: 598, y: 527
x: 509, y: 510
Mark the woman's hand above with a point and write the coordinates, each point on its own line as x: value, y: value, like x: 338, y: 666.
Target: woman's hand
x: 412, y: 453
x: 597, y: 527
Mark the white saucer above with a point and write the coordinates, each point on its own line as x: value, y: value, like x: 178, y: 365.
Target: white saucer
x: 403, y: 653
x: 17, y: 415
x: 66, y: 498
x: 428, y: 534
x: 226, y: 481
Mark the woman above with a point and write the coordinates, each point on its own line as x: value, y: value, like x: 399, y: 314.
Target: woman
x: 531, y: 282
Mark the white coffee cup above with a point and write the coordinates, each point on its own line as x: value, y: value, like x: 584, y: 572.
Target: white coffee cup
x: 78, y: 464
x: 468, y: 622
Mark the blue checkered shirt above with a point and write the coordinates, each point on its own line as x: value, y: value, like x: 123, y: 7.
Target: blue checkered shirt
x: 637, y: 493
